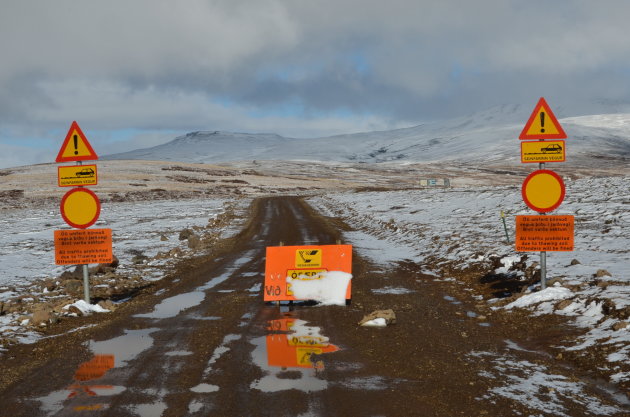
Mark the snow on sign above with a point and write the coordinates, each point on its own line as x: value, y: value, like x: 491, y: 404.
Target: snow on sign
x: 544, y: 233
x: 76, y: 146
x: 307, y: 264
x: 87, y: 246
x: 542, y: 124
x: 543, y: 190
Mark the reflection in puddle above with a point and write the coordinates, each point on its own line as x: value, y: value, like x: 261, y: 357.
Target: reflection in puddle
x: 170, y: 307
x: 85, y: 393
x: 125, y: 347
x: 287, y: 356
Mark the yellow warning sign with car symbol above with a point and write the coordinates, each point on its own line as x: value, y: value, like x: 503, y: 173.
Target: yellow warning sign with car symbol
x: 77, y: 175
x: 543, y: 151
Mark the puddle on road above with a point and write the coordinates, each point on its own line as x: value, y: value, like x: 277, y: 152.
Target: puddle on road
x: 171, y: 307
x: 179, y: 353
x: 453, y: 300
x: 392, y: 290
x: 286, y: 356
x: 205, y: 388
x: 148, y: 410
x: 220, y: 350
x: 86, y: 392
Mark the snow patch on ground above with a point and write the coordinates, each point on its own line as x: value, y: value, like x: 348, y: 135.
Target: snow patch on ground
x: 463, y: 226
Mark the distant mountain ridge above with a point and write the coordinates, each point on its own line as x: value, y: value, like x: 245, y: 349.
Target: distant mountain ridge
x: 490, y: 136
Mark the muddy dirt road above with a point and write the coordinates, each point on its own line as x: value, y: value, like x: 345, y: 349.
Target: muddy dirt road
x: 203, y: 343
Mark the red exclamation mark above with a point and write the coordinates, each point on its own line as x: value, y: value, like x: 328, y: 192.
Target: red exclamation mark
x: 542, y: 122
x: 76, y: 144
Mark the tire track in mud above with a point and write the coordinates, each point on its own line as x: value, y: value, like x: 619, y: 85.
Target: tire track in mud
x: 204, y: 347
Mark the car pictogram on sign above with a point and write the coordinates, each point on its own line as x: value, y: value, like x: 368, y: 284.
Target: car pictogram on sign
x: 553, y: 148
x: 85, y: 172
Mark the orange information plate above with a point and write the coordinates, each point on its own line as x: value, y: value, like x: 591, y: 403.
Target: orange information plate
x: 544, y: 233
x: 304, y: 261
x: 84, y: 246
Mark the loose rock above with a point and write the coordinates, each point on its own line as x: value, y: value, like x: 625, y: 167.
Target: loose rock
x: 563, y: 304
x: 185, y: 234
x: 602, y: 273
x: 388, y: 316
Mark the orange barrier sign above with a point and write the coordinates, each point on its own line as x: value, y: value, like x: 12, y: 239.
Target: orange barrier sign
x: 544, y: 233
x: 302, y: 262
x: 85, y: 246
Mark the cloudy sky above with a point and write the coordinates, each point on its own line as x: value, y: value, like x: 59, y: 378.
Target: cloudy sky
x: 137, y: 73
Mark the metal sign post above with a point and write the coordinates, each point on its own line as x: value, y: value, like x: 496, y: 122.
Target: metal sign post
x: 86, y: 284
x: 543, y: 190
x: 543, y: 254
x: 80, y: 208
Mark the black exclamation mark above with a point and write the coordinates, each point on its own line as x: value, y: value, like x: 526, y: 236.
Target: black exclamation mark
x: 76, y: 144
x: 542, y: 122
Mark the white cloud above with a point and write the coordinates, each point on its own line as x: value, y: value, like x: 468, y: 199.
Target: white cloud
x: 204, y: 64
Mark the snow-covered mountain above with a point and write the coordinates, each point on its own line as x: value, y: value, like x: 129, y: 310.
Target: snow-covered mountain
x: 489, y: 137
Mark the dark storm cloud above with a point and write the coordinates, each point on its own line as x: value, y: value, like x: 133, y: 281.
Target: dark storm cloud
x: 160, y: 64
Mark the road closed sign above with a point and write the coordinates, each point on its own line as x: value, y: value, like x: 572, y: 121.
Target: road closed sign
x: 544, y: 233
x: 85, y: 246
x: 302, y: 263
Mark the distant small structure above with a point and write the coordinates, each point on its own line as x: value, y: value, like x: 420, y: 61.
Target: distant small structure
x: 435, y: 182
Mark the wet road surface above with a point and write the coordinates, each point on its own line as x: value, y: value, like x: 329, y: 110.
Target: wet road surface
x: 207, y: 345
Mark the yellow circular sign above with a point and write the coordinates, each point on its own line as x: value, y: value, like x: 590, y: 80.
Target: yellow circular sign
x: 543, y: 190
x: 80, y: 208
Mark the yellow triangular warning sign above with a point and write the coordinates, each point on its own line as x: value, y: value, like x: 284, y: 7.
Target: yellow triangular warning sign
x: 76, y: 146
x: 542, y: 124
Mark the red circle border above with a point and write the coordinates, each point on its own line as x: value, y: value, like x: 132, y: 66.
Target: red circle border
x: 530, y: 177
x: 98, y: 207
